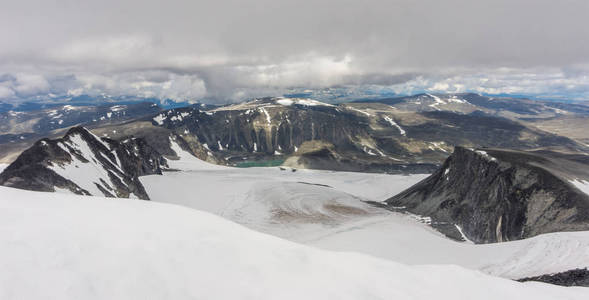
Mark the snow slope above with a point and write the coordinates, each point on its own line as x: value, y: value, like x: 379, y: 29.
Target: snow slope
x: 87, y: 175
x: 325, y: 209
x: 404, y: 240
x: 218, y: 186
x: 188, y: 161
x: 295, y: 210
x: 57, y: 246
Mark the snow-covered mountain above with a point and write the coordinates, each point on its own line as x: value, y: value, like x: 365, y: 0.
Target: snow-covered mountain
x: 93, y: 248
x: 85, y: 164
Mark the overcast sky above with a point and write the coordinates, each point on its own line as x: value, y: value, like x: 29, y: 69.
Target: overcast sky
x: 230, y: 50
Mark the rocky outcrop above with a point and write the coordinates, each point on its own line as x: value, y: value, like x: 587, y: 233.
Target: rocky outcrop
x: 324, y: 156
x: 85, y: 164
x: 576, y: 277
x: 491, y: 195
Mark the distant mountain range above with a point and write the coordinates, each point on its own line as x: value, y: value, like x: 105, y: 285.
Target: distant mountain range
x: 407, y: 134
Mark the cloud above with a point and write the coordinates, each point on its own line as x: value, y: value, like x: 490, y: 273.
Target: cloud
x: 6, y: 93
x: 30, y: 84
x: 542, y: 83
x: 110, y: 50
x: 160, y: 85
x: 226, y: 50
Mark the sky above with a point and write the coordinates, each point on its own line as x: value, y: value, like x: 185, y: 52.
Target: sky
x: 225, y: 51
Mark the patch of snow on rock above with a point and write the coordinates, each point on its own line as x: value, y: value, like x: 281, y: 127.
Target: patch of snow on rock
x: 486, y: 155
x: 454, y: 98
x: 86, y: 175
x: 285, y: 102
x: 268, y: 119
x: 360, y: 111
x: 118, y: 107
x: 464, y: 237
x: 581, y: 185
x: 159, y: 119
x: 311, y: 102
x: 393, y: 123
x: 437, y: 100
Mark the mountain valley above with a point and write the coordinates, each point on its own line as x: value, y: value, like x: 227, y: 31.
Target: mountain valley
x: 456, y: 179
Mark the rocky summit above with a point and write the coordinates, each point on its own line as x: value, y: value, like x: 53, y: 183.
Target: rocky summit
x: 490, y: 195
x: 85, y: 164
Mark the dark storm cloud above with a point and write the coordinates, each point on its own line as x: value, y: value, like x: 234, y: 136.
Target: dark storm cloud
x: 232, y: 49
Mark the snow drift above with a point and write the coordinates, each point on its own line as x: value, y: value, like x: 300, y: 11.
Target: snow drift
x: 71, y: 247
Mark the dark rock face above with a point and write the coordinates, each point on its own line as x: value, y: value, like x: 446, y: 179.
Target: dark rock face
x: 85, y: 164
x: 576, y: 277
x: 500, y: 195
x: 267, y: 131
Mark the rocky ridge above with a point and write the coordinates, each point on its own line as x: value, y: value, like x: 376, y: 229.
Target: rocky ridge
x: 372, y: 137
x: 491, y: 195
x: 85, y: 164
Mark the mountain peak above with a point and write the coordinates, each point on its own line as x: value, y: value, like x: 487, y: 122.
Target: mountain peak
x: 82, y: 163
x: 492, y: 195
